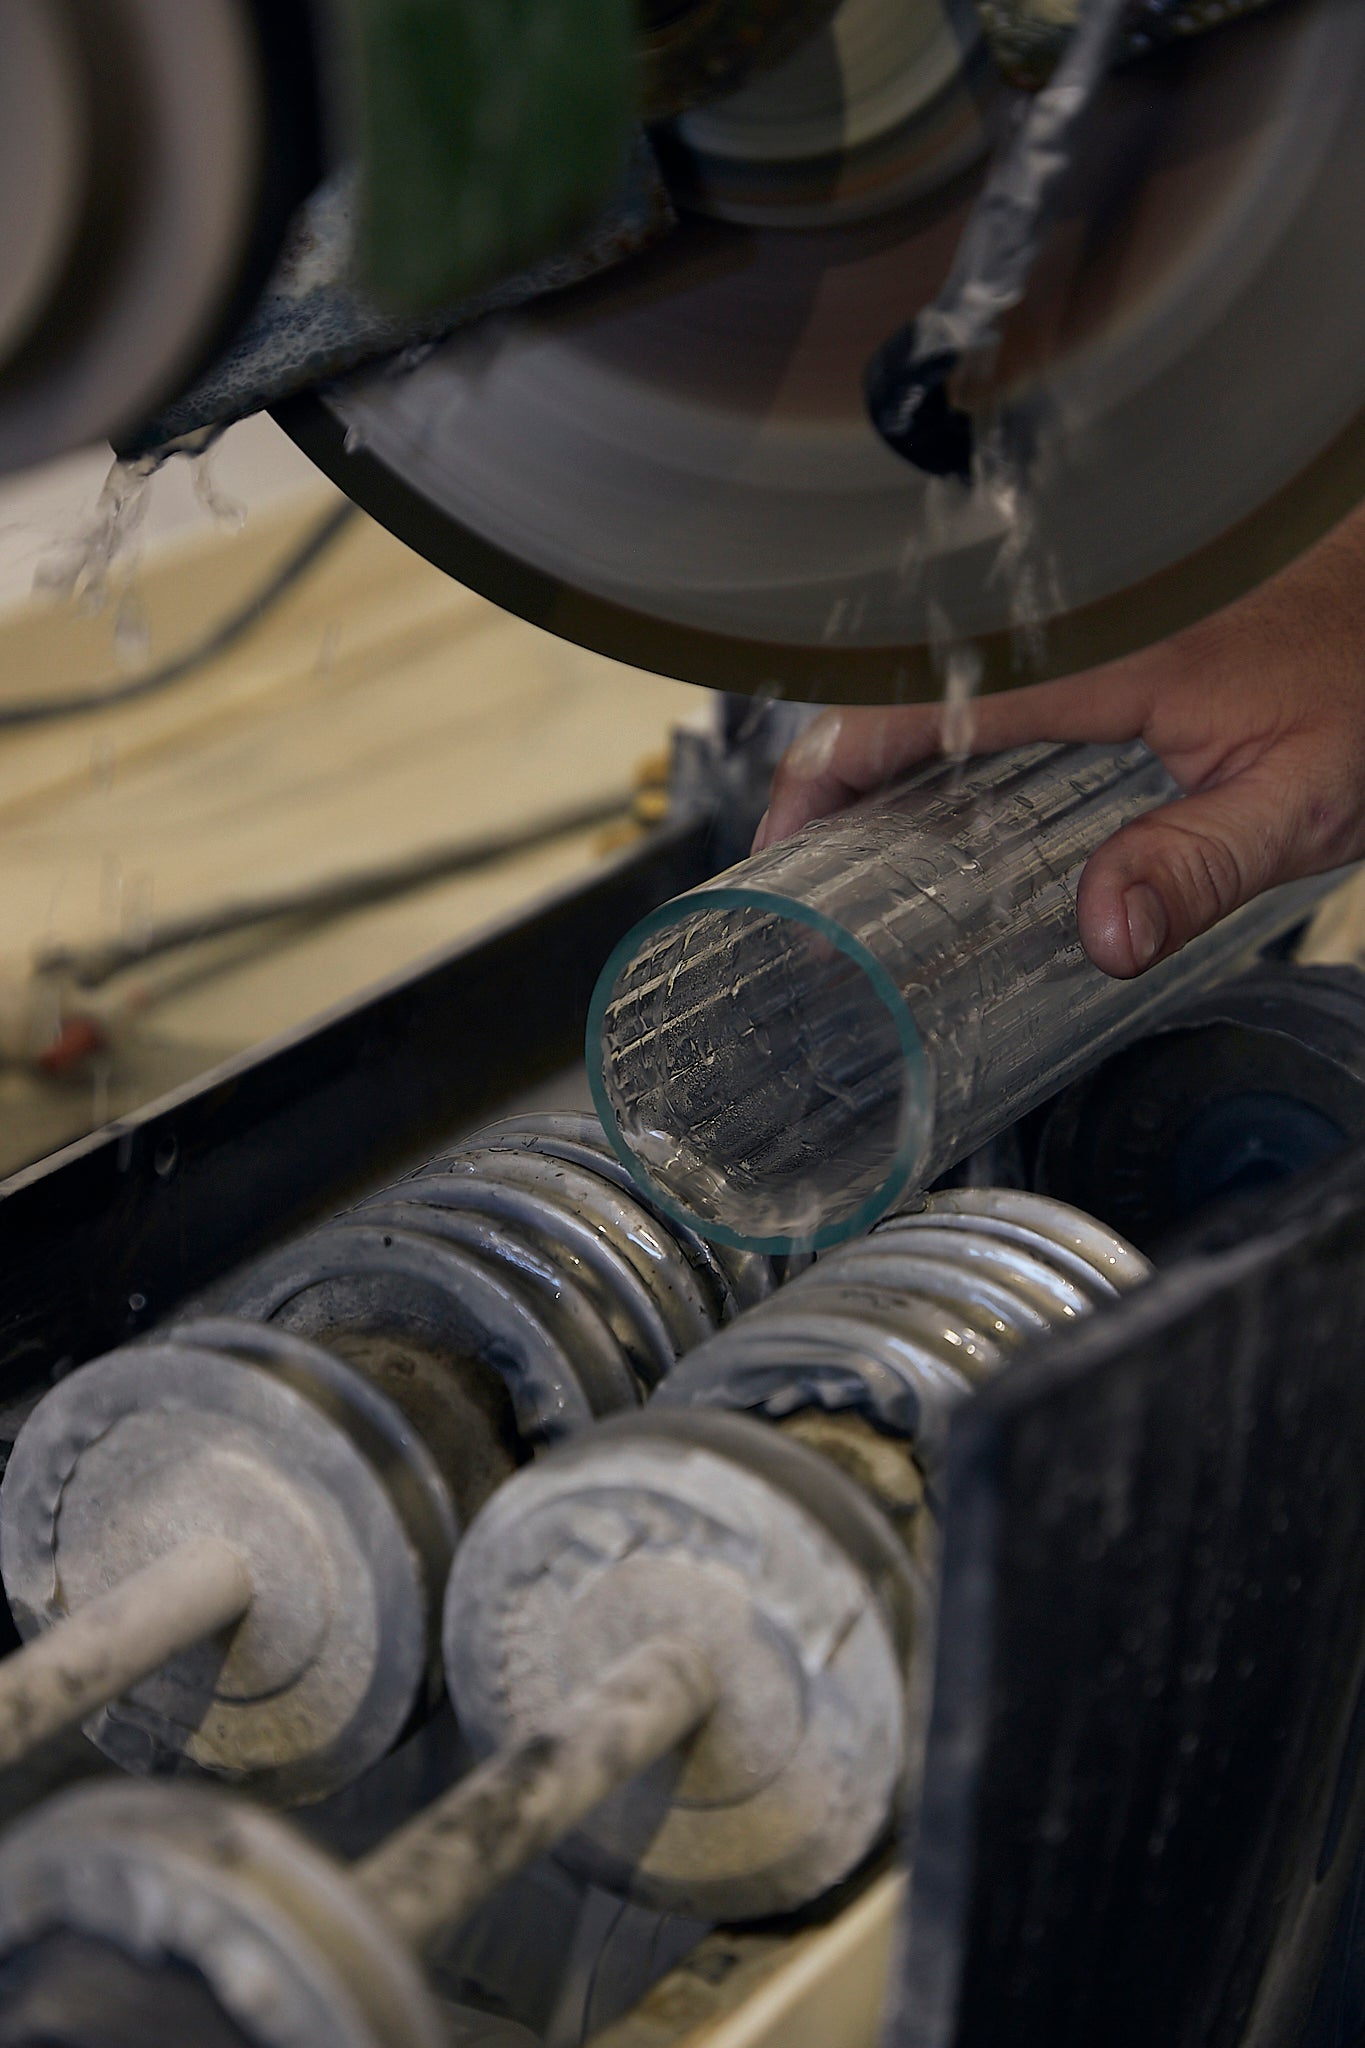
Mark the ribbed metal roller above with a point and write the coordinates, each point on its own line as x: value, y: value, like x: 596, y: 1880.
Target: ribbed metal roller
x: 785, y: 1542
x: 524, y: 1263
x: 903, y: 1323
x: 738, y: 1279
x: 683, y: 1644
x: 418, y: 1348
x: 227, y: 1549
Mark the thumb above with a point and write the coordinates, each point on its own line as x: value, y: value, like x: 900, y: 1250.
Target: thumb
x: 1172, y: 874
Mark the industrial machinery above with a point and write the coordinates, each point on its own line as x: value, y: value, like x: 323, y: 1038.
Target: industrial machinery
x: 745, y: 1601
x: 780, y: 345
x: 1131, y: 1632
x: 581, y: 300
x: 310, y: 1499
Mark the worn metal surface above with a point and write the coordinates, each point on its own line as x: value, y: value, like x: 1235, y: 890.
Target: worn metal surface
x: 108, y: 1644
x: 430, y: 1273
x: 153, y: 1207
x: 798, y: 1594
x: 524, y: 1799
x: 732, y: 1279
x: 1090, y: 1250
x: 881, y: 1466
x: 903, y: 1324
x: 514, y: 1271
x: 1142, y: 1797
x: 609, y: 1243
x: 275, y: 1929
x: 335, y: 1519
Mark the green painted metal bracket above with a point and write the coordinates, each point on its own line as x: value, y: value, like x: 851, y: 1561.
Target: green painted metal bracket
x: 489, y: 132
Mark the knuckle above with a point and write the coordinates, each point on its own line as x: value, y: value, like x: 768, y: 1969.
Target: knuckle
x: 1209, y: 874
x: 1202, y: 868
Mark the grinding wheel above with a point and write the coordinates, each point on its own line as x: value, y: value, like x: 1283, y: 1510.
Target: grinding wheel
x: 151, y: 157
x: 673, y: 465
x: 174, y: 1876
x: 452, y: 1283
x: 319, y: 1487
x: 714, y: 1529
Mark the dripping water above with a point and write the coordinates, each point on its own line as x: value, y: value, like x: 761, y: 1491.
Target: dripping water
x: 95, y: 570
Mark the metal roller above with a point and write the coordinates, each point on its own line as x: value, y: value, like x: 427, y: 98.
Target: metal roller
x: 683, y: 1641
x: 525, y: 1263
x: 718, y: 1531
x: 618, y: 1257
x: 804, y: 1731
x: 227, y: 1549
x: 795, y: 1573
x: 493, y: 1310
x: 738, y: 1278
x: 209, y: 1899
x: 900, y: 1325
x: 463, y: 1319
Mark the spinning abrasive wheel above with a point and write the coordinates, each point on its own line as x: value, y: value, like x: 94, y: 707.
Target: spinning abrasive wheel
x: 674, y: 465
x: 150, y: 159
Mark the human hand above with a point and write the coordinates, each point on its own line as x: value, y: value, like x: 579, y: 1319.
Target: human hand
x: 1258, y: 713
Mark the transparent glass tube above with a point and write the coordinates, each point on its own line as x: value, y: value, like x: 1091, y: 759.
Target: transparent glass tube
x: 784, y: 1052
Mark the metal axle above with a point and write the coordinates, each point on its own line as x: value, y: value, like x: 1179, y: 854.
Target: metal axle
x: 94, y: 1656
x: 432, y: 1872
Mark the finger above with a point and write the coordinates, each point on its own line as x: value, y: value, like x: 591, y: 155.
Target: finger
x: 1172, y: 874
x: 845, y: 753
x: 841, y: 755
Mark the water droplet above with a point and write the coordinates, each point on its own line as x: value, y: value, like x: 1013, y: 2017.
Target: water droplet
x: 132, y: 631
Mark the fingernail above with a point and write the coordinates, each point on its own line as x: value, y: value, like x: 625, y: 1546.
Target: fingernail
x: 761, y: 835
x: 1148, y: 925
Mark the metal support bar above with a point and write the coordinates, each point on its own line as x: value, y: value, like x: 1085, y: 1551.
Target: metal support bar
x: 430, y: 1874
x: 63, y: 1676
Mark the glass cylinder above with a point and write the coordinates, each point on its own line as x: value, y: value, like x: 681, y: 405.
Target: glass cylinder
x: 784, y: 1052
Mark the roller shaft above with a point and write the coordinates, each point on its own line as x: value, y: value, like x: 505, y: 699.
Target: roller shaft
x: 431, y: 1873
x: 96, y: 1654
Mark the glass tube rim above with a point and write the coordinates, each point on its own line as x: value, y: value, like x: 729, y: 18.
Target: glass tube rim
x: 916, y: 1131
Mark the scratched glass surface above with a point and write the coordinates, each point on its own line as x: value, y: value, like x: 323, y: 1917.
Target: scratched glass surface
x: 787, y: 1050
